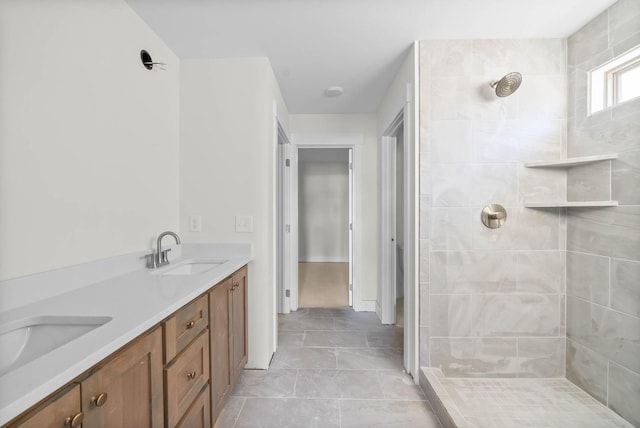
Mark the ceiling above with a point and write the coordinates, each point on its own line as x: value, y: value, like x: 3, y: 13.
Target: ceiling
x: 356, y: 44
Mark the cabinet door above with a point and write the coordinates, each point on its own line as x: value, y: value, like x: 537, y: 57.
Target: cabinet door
x: 219, y: 313
x: 127, y: 391
x: 62, y: 412
x: 238, y: 323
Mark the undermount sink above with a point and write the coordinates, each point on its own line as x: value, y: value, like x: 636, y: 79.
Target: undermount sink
x: 26, y: 339
x: 190, y: 267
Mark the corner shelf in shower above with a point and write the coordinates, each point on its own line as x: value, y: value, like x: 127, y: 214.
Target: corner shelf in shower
x: 572, y: 204
x: 569, y: 162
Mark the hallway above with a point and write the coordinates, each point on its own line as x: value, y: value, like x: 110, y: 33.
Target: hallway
x: 334, y: 368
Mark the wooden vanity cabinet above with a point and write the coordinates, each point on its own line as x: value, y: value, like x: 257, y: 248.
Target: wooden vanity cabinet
x: 63, y: 410
x: 238, y: 328
x: 128, y: 390
x: 228, y: 329
x: 219, y: 322
x: 186, y: 373
x: 123, y: 391
x: 203, y: 347
x: 199, y: 414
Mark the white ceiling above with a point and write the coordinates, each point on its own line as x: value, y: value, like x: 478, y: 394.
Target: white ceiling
x: 356, y: 44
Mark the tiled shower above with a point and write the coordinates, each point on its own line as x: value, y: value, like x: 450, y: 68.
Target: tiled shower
x: 555, y: 292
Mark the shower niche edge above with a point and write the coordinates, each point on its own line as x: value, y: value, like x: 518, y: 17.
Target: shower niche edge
x: 568, y: 163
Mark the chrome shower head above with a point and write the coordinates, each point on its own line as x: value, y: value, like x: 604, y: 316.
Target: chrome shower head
x: 507, y: 85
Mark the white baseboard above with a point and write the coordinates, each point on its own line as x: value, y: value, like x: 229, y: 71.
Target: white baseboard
x: 378, y: 310
x: 323, y: 259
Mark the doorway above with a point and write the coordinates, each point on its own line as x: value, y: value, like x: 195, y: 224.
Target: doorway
x: 325, y: 241
x: 352, y: 145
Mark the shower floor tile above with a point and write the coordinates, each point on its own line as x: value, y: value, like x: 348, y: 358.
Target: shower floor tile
x: 503, y: 403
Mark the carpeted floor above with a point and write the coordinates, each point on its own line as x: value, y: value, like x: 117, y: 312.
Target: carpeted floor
x: 323, y: 285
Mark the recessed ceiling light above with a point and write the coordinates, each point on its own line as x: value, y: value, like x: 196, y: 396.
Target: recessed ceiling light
x: 333, y: 91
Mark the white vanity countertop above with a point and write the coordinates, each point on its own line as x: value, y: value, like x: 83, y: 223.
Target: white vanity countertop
x: 136, y: 301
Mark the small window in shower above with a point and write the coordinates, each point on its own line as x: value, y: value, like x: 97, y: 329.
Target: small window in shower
x: 615, y: 82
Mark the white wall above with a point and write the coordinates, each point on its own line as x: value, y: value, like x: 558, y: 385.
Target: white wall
x: 323, y: 207
x: 226, y: 169
x: 88, y: 136
x: 364, y: 124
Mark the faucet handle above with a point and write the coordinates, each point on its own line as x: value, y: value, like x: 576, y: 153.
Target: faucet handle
x: 163, y: 256
x: 151, y: 260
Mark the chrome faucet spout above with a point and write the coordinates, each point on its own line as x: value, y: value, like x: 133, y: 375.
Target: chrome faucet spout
x: 161, y: 255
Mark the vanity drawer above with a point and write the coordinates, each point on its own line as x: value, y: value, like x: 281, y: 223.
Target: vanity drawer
x: 184, y: 326
x: 199, y: 414
x: 185, y: 377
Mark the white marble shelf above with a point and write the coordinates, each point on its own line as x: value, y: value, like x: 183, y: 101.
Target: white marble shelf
x: 569, y: 162
x: 572, y: 204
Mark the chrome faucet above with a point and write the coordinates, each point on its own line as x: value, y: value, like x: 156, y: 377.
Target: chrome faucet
x: 159, y: 258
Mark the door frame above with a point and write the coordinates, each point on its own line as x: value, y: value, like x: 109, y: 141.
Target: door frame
x: 386, y: 307
x: 283, y: 221
x: 341, y: 141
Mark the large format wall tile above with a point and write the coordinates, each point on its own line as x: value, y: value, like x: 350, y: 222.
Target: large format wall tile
x: 541, y: 357
x: 541, y: 184
x: 473, y: 272
x: 588, y: 277
x: 610, y: 333
x: 587, y: 369
x: 475, y: 357
x: 541, y: 271
x: 625, y: 178
x: 625, y: 287
x: 517, y: 140
x: 451, y: 141
x: 451, y: 184
x: 493, y: 183
x: 543, y: 97
x: 611, y: 231
x: 447, y: 57
x: 589, y: 40
x: 589, y: 182
x: 611, y: 136
x: 505, y: 315
x: 525, y: 229
x: 624, y: 20
x: 450, y: 229
x: 624, y: 393
x: 528, y: 56
x: 450, y: 315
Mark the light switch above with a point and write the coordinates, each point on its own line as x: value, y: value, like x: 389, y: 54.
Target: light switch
x: 195, y: 223
x: 244, y: 224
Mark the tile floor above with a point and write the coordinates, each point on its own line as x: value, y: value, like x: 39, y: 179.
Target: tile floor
x: 519, y: 403
x: 333, y: 368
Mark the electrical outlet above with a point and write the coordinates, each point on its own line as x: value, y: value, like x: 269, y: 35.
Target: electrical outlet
x: 244, y: 223
x: 195, y: 223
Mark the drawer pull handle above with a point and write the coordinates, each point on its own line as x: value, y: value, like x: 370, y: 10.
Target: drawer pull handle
x: 191, y: 375
x: 74, y: 421
x: 191, y: 324
x: 99, y: 399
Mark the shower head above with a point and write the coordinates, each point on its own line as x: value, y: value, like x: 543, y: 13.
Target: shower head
x: 507, y: 85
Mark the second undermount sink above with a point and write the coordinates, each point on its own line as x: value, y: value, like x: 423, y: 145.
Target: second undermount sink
x: 24, y: 340
x: 190, y: 267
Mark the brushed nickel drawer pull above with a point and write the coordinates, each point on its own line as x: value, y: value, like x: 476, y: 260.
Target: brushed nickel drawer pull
x: 99, y: 399
x: 191, y: 324
x: 74, y: 421
x: 191, y: 375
